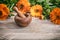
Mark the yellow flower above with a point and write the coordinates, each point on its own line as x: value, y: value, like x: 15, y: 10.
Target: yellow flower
x: 36, y: 11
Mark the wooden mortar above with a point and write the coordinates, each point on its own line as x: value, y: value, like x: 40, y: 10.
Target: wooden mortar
x: 21, y: 19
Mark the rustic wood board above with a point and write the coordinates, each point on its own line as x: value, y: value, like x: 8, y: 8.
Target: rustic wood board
x: 37, y: 29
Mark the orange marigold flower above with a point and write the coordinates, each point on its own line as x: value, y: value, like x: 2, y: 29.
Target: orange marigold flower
x: 55, y: 16
x: 23, y: 6
x: 4, y: 12
x: 36, y: 11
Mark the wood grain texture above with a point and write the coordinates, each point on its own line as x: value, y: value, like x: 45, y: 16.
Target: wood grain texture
x: 38, y: 29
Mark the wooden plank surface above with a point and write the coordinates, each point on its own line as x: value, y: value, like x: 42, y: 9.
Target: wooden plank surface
x: 38, y: 29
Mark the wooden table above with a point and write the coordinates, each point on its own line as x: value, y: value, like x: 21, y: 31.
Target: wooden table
x: 37, y: 29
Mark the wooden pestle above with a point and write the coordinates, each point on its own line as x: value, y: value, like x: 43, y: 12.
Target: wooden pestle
x: 19, y: 13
